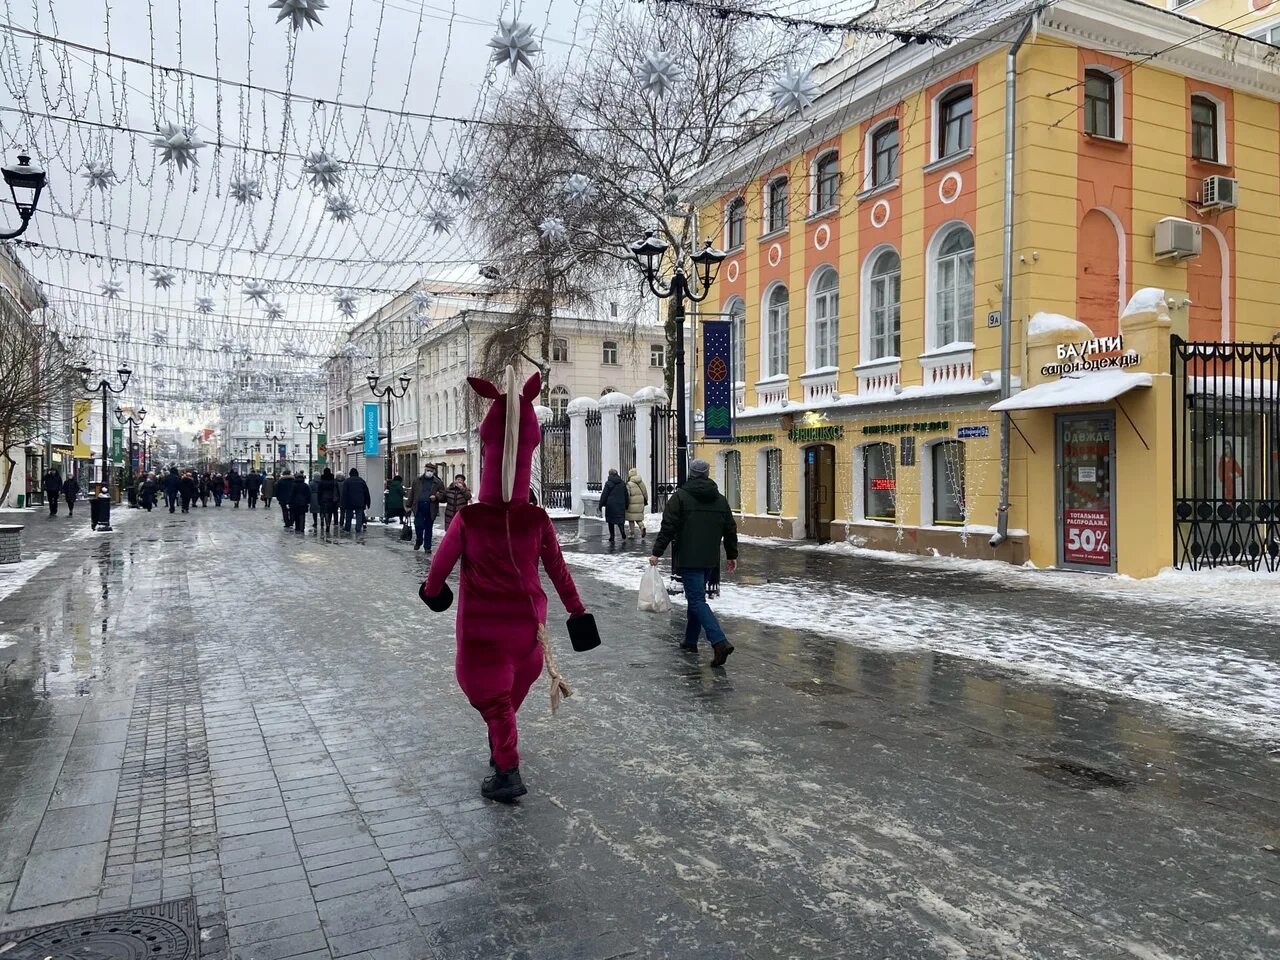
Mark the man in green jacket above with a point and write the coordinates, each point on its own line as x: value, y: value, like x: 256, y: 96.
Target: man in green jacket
x: 698, y: 518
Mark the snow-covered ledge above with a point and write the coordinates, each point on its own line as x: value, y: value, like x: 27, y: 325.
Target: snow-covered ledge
x: 950, y: 364
x: 740, y: 394
x: 879, y: 376
x: 820, y: 384
x: 772, y: 391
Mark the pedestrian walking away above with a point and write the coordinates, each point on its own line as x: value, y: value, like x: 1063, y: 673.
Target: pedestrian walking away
x: 71, y: 490
x: 284, y: 493
x: 327, y: 496
x: 614, y: 500
x: 637, y: 500
x: 150, y: 490
x: 235, y: 487
x: 355, y: 501
x: 456, y: 497
x: 52, y: 490
x: 502, y: 639
x: 172, y: 486
x: 394, y: 506
x: 299, y: 501
x: 252, y: 484
x: 268, y: 489
x: 314, y: 486
x: 203, y: 484
x: 342, y: 513
x: 697, y: 519
x: 425, y: 495
x: 187, y: 490
x: 218, y: 486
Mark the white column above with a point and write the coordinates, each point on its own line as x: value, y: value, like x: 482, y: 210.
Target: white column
x: 577, y: 412
x: 610, y: 405
x: 646, y: 399
x: 535, y: 474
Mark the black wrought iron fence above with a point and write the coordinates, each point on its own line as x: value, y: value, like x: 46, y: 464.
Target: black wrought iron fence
x: 662, y: 468
x: 594, y: 480
x: 557, y: 487
x: 626, y: 439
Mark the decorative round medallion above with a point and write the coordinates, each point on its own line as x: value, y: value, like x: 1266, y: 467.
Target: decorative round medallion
x: 775, y: 254
x: 949, y: 188
x: 731, y: 273
x: 822, y: 236
x: 880, y: 214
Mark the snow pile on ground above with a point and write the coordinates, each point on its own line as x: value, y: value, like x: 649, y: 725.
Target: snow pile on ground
x: 1210, y: 682
x: 14, y: 576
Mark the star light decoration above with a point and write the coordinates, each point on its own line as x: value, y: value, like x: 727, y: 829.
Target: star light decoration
x: 255, y: 291
x: 423, y: 299
x: 579, y: 189
x: 461, y: 185
x: 340, y: 208
x: 162, y: 279
x: 194, y: 342
x: 553, y: 229
x: 227, y: 344
x: 245, y: 190
x: 275, y: 310
x: 99, y: 174
x: 440, y: 221
x: 111, y: 289
x: 324, y: 171
x: 300, y: 12
x: 514, y: 44
x: 160, y: 338
x: 794, y: 90
x: 204, y: 305
x: 291, y: 348
x: 178, y: 145
x: 346, y: 301
x: 659, y: 72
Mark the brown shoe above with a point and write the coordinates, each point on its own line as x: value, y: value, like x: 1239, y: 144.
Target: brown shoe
x: 722, y: 651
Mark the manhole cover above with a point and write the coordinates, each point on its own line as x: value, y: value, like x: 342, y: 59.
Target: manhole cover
x: 1076, y: 775
x: 163, y: 932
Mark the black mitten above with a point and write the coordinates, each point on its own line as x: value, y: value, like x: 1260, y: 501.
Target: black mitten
x: 583, y: 633
x: 441, y: 602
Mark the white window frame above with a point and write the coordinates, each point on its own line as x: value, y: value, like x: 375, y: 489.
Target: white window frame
x: 1263, y: 33
x: 814, y: 208
x: 559, y: 393
x: 929, y: 483
x: 932, y: 339
x: 1220, y: 127
x: 935, y: 149
x: 559, y: 350
x: 769, y: 226
x: 868, y: 305
x: 739, y: 337
x: 811, y: 320
x: 740, y: 202
x: 658, y: 351
x: 869, y: 159
x: 766, y: 328
x: 606, y: 348
x: 1117, y: 85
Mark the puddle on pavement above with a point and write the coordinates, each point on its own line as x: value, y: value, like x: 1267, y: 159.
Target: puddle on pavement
x: 1078, y: 776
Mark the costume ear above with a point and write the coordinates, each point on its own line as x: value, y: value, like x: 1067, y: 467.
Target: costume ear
x: 484, y: 388
x: 532, y: 387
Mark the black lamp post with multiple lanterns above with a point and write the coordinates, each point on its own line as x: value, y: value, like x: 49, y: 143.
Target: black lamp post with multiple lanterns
x: 102, y: 519
x: 388, y: 392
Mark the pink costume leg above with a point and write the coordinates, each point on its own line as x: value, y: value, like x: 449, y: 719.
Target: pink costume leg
x: 496, y: 686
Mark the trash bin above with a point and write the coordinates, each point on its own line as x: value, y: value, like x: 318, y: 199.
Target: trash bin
x: 100, y: 510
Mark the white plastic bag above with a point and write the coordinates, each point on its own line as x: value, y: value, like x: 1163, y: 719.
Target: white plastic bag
x: 653, y: 592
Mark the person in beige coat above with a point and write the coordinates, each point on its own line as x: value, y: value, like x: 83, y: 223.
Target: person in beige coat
x: 637, y: 500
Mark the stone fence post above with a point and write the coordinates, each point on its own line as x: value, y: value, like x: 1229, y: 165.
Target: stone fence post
x: 646, y: 400
x: 610, y: 405
x: 577, y: 412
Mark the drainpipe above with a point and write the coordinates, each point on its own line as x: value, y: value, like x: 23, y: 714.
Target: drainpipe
x: 1006, y: 291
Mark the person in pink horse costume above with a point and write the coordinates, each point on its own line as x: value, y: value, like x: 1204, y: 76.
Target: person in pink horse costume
x: 503, y: 643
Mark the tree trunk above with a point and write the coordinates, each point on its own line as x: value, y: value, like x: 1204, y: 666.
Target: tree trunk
x: 8, y: 476
x: 548, y: 310
x: 673, y: 339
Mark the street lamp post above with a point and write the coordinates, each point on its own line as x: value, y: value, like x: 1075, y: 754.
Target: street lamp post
x: 131, y: 421
x: 275, y: 451
x: 706, y: 262
x: 312, y: 425
x: 25, y: 183
x: 103, y: 521
x: 388, y: 392
x: 146, y: 450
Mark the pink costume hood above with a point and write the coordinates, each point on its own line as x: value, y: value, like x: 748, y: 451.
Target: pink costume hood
x: 509, y: 434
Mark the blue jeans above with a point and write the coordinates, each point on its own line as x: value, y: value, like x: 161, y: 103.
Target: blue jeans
x: 357, y: 516
x: 423, y: 525
x: 700, y: 616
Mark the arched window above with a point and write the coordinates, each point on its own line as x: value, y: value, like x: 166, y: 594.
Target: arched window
x: 560, y: 350
x: 559, y: 400
x: 948, y: 482
x: 1099, y: 104
x: 883, y: 161
x: 955, y: 122
x: 732, y: 479
x: 1204, y: 129
x: 776, y: 204
x: 737, y: 311
x: 824, y: 332
x: 953, y: 287
x: 777, y: 314
x: 606, y: 391
x: 879, y: 482
x: 884, y: 310
x: 826, y: 182
x: 735, y: 223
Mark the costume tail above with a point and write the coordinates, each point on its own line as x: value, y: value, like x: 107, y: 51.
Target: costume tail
x: 559, y: 688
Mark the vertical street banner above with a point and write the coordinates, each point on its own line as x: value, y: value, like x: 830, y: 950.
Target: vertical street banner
x: 282, y: 452
x: 370, y: 429
x: 80, y: 429
x: 717, y: 379
x: 322, y: 448
x: 117, y: 445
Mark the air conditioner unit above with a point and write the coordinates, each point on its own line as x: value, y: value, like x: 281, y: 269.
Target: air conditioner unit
x: 1219, y: 192
x: 1176, y: 239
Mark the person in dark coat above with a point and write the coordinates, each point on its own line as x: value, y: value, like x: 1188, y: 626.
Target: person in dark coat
x: 395, y: 500
x: 268, y: 489
x: 172, y: 485
x: 355, y: 500
x: 71, y: 490
x: 235, y: 487
x: 425, y: 496
x: 52, y: 490
x: 202, y: 488
x: 697, y: 519
x: 187, y: 488
x: 284, y: 493
x: 327, y: 498
x: 218, y: 487
x: 614, y: 500
x: 252, y: 483
x: 300, y: 501
x: 456, y: 497
x: 150, y: 490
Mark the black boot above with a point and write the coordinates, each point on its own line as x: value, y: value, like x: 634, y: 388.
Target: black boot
x: 503, y: 786
x: 722, y: 651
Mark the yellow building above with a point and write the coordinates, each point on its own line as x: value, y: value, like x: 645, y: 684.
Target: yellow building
x: 866, y: 272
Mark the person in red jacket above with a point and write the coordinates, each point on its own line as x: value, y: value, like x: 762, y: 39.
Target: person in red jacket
x: 502, y: 637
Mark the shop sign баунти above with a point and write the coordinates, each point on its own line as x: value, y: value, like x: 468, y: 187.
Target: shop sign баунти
x: 1100, y: 353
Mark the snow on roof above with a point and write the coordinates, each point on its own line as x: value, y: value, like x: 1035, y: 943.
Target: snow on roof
x: 1043, y: 324
x: 1145, y: 301
x: 1075, y: 390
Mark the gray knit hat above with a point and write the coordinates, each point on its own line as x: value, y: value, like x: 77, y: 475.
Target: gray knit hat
x: 699, y: 468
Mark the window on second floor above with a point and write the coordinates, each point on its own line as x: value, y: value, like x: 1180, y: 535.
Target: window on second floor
x: 559, y: 400
x: 776, y: 198
x: 657, y: 354
x: 955, y: 122
x: 735, y: 223
x: 953, y: 288
x: 560, y: 350
x: 1269, y: 35
x: 1204, y: 130
x: 1099, y: 104
x: 776, y: 317
x: 610, y: 352
x: 884, y: 154
x: 826, y: 182
x: 268, y: 426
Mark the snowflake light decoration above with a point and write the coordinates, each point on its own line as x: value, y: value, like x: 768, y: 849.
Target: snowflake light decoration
x: 205, y: 305
x: 227, y: 344
x: 111, y: 289
x: 99, y: 174
x: 579, y: 189
x: 794, y: 90
x: 291, y: 348
x: 194, y: 343
x: 659, y: 72
x: 300, y: 12
x: 553, y: 229
x: 178, y: 145
x: 160, y: 338
x: 324, y: 171
x: 423, y: 299
x: 340, y: 208
x: 245, y: 190
x: 255, y: 291
x: 461, y: 185
x: 123, y: 331
x: 346, y: 301
x: 162, y: 279
x: 514, y: 44
x: 275, y: 310
x: 440, y: 221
